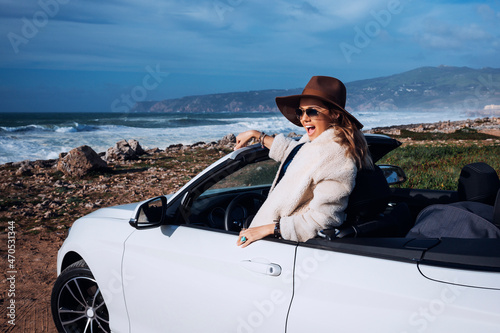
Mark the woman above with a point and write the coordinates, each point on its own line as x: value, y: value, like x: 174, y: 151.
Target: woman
x: 318, y: 172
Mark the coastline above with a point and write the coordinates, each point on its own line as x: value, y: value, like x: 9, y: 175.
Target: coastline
x: 43, y: 203
x: 487, y: 125
x: 41, y: 136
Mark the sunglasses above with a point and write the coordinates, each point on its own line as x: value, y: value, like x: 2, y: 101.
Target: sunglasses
x: 311, y: 112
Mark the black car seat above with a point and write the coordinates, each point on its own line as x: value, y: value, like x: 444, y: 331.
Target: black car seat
x: 370, y: 196
x: 365, y: 209
x: 478, y: 182
x: 477, y: 215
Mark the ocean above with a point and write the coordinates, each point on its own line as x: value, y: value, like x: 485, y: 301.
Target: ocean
x: 40, y: 136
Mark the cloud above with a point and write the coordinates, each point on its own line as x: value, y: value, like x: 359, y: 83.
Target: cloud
x: 487, y: 13
x: 453, y: 29
x: 300, y: 10
x: 440, y: 35
x: 183, y: 35
x: 285, y: 40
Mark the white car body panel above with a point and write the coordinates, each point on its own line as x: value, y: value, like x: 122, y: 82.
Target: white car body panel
x: 99, y: 241
x: 489, y: 280
x: 121, y: 212
x: 196, y: 280
x: 351, y: 293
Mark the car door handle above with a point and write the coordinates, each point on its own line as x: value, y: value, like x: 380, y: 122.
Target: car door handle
x: 262, y: 268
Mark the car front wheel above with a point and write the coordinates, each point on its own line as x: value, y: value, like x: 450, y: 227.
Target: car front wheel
x: 77, y: 303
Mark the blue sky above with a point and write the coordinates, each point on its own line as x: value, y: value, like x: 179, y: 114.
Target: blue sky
x: 69, y: 55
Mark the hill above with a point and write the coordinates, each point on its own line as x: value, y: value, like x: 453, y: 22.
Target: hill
x: 428, y: 88
x: 425, y: 88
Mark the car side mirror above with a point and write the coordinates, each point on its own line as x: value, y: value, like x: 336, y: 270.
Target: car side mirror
x: 150, y: 213
x: 393, y: 174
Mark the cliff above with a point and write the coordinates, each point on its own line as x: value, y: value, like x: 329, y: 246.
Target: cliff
x: 425, y: 88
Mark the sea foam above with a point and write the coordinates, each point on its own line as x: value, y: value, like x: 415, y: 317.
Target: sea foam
x: 44, y: 136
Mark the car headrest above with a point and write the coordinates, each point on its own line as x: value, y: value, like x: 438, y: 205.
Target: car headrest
x: 369, y: 197
x: 478, y: 182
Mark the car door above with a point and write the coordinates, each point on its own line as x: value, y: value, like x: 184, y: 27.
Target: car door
x: 194, y: 279
x: 374, y: 285
x: 189, y: 275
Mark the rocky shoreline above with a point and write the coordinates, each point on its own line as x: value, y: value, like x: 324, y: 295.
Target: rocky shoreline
x: 42, y: 200
x: 483, y: 125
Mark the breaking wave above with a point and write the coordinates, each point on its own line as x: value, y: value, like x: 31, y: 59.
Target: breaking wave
x: 44, y: 135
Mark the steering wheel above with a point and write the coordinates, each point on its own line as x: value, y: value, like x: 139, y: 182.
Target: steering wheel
x: 247, y: 203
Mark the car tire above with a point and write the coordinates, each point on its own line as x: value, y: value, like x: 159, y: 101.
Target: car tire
x: 77, y: 303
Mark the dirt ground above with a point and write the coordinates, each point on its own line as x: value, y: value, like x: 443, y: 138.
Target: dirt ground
x: 38, y: 207
x: 35, y: 267
x: 494, y: 131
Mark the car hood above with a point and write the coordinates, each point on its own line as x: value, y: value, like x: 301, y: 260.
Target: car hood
x: 121, y: 212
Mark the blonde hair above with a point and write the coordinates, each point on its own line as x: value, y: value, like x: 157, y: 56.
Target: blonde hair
x: 349, y: 136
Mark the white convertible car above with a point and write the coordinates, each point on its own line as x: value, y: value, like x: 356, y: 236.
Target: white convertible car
x: 171, y: 264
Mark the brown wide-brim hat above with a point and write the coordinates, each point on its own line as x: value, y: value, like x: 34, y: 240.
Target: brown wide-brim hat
x: 324, y: 88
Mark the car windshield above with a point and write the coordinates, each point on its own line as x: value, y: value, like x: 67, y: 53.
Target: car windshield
x: 254, y: 174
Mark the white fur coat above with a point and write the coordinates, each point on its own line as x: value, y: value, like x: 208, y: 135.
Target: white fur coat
x: 313, y: 193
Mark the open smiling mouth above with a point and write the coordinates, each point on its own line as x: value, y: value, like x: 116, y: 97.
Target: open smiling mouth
x: 310, y: 129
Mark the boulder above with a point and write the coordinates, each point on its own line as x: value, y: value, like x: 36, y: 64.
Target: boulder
x: 174, y: 147
x: 198, y: 144
x: 79, y: 161
x: 153, y: 151
x: 125, y: 150
x: 134, y: 144
x: 228, y: 140
x: 25, y: 169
